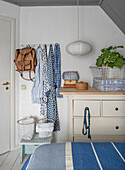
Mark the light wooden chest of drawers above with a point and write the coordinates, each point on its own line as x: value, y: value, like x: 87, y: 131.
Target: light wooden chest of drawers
x: 99, y: 126
x: 107, y: 122
x: 113, y: 108
x: 79, y: 106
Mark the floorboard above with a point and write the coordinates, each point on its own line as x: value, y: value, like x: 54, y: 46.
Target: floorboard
x: 17, y: 165
x: 10, y: 160
x: 3, y: 157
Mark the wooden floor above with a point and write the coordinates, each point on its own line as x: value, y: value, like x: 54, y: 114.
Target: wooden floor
x: 11, y: 160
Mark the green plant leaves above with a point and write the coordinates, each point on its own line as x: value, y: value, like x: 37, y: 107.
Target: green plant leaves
x: 109, y: 48
x: 99, y: 61
x: 106, y: 53
x: 119, y: 62
x: 114, y: 55
x: 110, y: 57
x: 102, y: 50
x: 111, y: 65
x: 108, y: 60
x: 114, y: 48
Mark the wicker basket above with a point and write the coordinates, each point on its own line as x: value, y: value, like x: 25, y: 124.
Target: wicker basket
x: 108, y: 73
x: 45, y: 128
x: 26, y: 128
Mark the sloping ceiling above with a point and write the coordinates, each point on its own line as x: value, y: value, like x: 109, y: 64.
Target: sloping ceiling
x: 115, y: 9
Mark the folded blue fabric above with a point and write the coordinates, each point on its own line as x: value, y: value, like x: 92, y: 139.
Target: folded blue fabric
x: 70, y: 75
x: 48, y: 157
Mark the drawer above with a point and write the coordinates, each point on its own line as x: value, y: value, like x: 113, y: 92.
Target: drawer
x: 79, y: 106
x: 101, y: 126
x: 114, y: 108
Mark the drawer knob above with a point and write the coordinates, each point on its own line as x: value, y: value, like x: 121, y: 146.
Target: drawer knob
x: 116, y: 108
x: 117, y: 127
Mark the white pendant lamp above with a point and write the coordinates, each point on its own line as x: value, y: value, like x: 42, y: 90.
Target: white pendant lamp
x: 79, y: 47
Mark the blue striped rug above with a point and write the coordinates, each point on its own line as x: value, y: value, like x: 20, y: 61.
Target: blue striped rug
x: 83, y: 157
x: 109, y: 157
x: 94, y: 156
x: 26, y: 163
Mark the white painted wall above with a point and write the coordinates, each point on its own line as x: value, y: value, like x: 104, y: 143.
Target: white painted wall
x: 13, y: 11
x: 59, y: 24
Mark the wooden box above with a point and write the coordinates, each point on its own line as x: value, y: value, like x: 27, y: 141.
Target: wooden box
x: 70, y: 81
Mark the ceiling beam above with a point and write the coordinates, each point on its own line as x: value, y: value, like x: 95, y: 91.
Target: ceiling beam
x: 53, y: 2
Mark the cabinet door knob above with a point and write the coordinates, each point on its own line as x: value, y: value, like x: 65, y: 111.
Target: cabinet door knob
x: 117, y: 127
x: 116, y: 108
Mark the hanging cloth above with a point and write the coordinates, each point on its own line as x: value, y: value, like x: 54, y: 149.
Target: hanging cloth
x: 52, y: 103
x: 57, y: 69
x: 85, y: 127
x: 37, y: 87
x: 45, y: 84
x: 41, y: 86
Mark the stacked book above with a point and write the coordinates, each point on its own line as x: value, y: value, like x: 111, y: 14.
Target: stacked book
x: 70, y: 78
x: 70, y: 83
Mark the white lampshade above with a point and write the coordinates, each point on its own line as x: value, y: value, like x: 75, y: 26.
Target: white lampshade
x: 78, y: 48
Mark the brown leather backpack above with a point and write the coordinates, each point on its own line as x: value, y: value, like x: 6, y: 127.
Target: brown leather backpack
x: 25, y: 60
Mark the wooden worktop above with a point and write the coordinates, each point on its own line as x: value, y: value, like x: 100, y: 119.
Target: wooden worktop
x: 90, y: 91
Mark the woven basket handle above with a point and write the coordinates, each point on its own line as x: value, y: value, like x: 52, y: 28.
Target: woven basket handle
x: 45, y: 119
x: 19, y: 122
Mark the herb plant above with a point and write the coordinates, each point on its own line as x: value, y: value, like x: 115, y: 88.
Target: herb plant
x: 110, y: 57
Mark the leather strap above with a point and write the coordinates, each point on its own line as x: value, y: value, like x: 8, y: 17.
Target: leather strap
x: 30, y: 78
x: 85, y: 127
x: 25, y: 51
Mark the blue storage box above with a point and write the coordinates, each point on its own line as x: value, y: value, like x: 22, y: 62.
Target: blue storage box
x: 109, y: 84
x: 70, y: 75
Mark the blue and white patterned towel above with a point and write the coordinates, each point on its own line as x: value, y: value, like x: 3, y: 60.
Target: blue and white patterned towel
x: 52, y: 102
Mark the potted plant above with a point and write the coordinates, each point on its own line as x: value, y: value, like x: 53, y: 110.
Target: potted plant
x: 109, y: 64
x: 110, y: 57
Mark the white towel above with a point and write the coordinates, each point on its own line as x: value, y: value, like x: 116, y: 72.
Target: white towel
x: 28, y: 136
x: 44, y: 127
x: 45, y: 134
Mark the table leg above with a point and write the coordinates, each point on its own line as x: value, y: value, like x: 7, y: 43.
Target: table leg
x: 22, y: 153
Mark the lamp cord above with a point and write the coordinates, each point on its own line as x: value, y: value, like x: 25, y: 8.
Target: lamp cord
x: 78, y: 19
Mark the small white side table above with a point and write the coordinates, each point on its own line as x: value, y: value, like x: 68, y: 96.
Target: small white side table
x: 29, y: 146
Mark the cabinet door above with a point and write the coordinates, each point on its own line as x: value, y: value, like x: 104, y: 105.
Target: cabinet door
x: 114, y: 108
x: 79, y: 106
